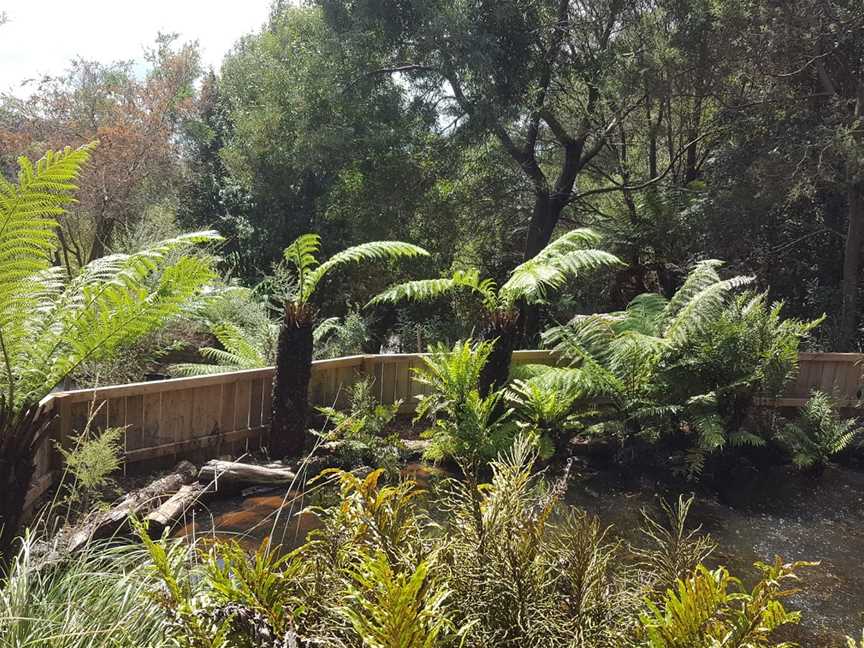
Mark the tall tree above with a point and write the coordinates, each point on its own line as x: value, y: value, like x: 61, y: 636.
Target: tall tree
x: 135, y: 171
x: 543, y: 78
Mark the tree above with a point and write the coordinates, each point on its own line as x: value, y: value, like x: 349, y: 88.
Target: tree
x: 530, y: 282
x: 133, y: 178
x: 50, y: 324
x: 544, y: 79
x: 808, y: 55
x: 294, y: 147
x: 294, y: 347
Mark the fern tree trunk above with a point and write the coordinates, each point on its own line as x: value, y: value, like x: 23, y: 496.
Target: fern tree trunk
x: 21, y: 432
x: 502, y: 329
x: 291, y: 382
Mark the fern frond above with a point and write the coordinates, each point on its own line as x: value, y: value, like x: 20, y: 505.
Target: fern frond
x: 701, y: 308
x: 372, y: 251
x: 562, y: 259
x: 429, y: 289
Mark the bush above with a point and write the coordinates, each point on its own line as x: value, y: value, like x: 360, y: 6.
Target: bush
x: 819, y: 433
x: 466, y: 427
x: 683, y: 371
x: 361, y: 435
x: 505, y: 563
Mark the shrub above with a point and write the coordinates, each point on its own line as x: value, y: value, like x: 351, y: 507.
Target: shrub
x: 548, y: 417
x: 686, y: 369
x: 361, y: 435
x: 819, y: 433
x: 466, y: 427
x: 712, y: 608
x: 91, y: 460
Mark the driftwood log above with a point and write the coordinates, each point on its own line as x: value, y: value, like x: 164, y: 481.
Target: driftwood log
x: 229, y: 477
x: 174, y: 508
x: 139, y: 503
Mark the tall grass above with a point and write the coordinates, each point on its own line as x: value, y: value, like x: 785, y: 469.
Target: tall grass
x: 97, y: 599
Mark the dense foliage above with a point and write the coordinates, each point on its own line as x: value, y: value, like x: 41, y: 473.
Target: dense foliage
x: 509, y: 564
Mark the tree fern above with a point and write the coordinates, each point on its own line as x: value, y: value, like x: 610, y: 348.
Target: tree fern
x: 531, y: 281
x: 302, y: 254
x: 564, y: 258
x: 296, y: 343
x: 50, y: 325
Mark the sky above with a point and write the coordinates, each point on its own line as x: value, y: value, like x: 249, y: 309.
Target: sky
x: 42, y: 36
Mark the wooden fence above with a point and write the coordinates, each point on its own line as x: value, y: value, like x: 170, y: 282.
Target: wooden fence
x: 207, y: 416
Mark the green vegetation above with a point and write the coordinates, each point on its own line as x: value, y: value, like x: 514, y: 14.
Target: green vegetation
x: 525, y: 146
x: 294, y: 349
x: 509, y: 564
x: 51, y: 322
x: 362, y: 434
x: 530, y: 282
x: 818, y: 434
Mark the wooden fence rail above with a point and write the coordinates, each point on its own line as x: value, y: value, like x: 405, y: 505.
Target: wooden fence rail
x: 205, y: 416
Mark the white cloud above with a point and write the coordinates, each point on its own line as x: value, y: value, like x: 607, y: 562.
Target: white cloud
x: 42, y: 37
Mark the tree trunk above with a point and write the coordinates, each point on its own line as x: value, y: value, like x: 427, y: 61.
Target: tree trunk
x: 291, y: 383
x: 852, y: 267
x: 20, y: 434
x: 501, y: 330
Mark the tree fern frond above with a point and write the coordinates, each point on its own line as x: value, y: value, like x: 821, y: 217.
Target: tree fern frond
x: 701, y: 308
x: 563, y: 259
x: 418, y: 291
x: 325, y: 328
x: 372, y: 251
x: 703, y: 275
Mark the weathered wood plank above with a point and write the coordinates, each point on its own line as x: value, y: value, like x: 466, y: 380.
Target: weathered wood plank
x: 206, y: 411
x: 241, y: 404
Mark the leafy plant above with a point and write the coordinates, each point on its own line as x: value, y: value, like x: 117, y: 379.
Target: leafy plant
x: 295, y: 344
x: 691, y: 364
x: 361, y: 435
x: 91, y: 460
x: 467, y: 427
x: 709, y: 609
x: 50, y: 324
x: 392, y: 609
x: 335, y: 337
x: 547, y: 416
x: 819, y: 433
x: 674, y: 551
x: 531, y: 282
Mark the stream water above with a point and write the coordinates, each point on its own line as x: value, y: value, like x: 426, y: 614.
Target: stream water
x: 755, y: 518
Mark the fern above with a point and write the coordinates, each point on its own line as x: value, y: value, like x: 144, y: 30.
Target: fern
x: 531, y: 281
x: 564, y: 258
x: 50, y: 325
x: 302, y: 254
x: 819, y: 433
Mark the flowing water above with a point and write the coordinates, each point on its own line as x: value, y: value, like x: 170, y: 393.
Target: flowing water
x: 755, y: 518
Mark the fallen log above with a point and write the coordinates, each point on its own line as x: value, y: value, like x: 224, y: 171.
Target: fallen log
x: 173, y: 509
x: 139, y: 503
x: 226, y: 477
